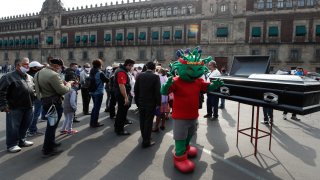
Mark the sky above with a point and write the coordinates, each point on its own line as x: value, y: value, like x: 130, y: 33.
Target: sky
x: 16, y: 7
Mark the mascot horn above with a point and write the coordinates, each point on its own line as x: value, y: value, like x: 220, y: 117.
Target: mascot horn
x: 186, y: 87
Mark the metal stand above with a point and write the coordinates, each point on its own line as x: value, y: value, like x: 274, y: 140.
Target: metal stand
x: 254, y: 130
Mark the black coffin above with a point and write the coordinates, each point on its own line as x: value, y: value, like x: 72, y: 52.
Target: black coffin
x: 290, y: 93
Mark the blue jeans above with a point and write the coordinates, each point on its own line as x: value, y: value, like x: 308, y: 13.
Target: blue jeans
x: 50, y: 135
x: 97, y: 101
x: 17, y: 123
x: 212, y: 103
x: 222, y: 102
x: 37, y: 108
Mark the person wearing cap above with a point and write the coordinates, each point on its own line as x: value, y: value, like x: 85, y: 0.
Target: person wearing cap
x: 16, y: 97
x: 85, y: 73
x: 50, y: 89
x: 35, y: 66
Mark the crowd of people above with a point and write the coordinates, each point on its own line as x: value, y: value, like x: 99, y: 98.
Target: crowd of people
x: 30, y: 91
x: 33, y: 90
x: 6, y: 68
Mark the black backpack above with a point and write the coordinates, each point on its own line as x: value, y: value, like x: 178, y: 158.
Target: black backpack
x: 90, y: 83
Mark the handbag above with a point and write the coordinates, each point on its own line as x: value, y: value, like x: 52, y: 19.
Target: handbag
x: 52, y: 115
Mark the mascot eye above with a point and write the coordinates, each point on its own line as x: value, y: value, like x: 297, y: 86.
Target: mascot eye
x: 200, y: 68
x: 190, y: 69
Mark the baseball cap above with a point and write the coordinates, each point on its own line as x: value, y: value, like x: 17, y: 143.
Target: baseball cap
x: 35, y: 64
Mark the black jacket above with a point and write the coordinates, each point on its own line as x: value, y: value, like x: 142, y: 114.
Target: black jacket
x: 147, y: 89
x: 115, y: 80
x: 16, y: 91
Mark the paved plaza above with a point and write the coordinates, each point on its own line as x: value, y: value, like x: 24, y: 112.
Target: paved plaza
x: 101, y: 154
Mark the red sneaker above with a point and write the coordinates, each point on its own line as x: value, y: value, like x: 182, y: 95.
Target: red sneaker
x: 183, y: 164
x: 73, y: 131
x: 192, y: 151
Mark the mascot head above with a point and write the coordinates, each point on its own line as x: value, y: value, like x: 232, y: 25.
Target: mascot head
x: 189, y: 65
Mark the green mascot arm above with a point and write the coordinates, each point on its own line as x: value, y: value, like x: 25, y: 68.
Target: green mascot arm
x: 215, y: 84
x: 165, y: 87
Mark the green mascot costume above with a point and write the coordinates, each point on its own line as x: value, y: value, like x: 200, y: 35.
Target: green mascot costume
x: 186, y: 87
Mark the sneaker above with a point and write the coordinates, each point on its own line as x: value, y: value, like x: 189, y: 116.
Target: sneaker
x: 221, y: 107
x: 51, y: 153
x: 37, y: 133
x: 265, y: 122
x: 284, y: 117
x: 14, y: 149
x: 207, y: 116
x: 25, y: 143
x: 295, y: 118
x: 31, y: 134
x: 73, y: 131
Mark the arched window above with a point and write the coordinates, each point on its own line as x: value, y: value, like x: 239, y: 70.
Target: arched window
x: 169, y: 11
x: 98, y: 18
x: 175, y: 11
x: 190, y: 9
x: 82, y: 19
x: 149, y: 13
x: 104, y: 18
x: 223, y: 8
x: 162, y: 12
x: 155, y: 13
x: 131, y: 14
x: 114, y: 16
x: 120, y: 16
x: 143, y: 14
x: 136, y: 14
x: 184, y: 10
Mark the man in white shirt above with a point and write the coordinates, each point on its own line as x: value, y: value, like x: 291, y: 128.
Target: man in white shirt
x: 84, y: 89
x: 212, y: 100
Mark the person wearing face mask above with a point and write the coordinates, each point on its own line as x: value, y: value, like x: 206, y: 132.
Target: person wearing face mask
x: 50, y: 88
x: 84, y: 89
x: 16, y: 98
x: 35, y: 66
x: 108, y: 73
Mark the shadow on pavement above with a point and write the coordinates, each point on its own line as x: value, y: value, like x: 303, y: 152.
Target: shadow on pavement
x: 305, y: 153
x: 137, y: 161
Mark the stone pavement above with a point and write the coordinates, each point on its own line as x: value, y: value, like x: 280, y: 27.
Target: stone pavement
x: 100, y: 154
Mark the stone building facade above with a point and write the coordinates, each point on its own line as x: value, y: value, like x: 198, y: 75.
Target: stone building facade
x: 287, y: 30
